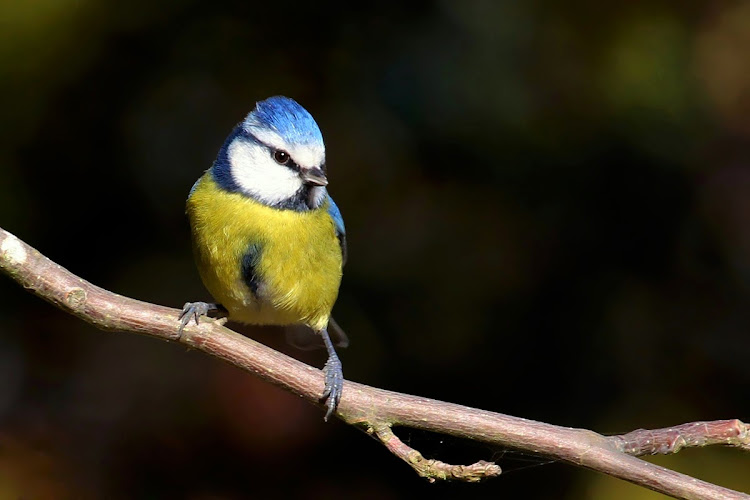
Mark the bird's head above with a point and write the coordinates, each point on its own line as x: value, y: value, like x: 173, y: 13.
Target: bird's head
x: 275, y: 156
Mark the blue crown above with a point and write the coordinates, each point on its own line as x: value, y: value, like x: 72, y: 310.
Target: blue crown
x: 287, y: 118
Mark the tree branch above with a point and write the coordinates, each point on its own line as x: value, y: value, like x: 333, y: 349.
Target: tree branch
x: 433, y: 469
x: 378, y: 410
x: 673, y: 439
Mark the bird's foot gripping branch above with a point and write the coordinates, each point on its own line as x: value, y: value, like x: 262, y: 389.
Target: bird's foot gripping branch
x: 377, y: 410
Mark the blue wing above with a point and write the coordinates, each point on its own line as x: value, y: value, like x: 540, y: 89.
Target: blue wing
x: 338, y: 222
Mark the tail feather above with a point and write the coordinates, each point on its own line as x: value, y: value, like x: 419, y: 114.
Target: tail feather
x: 305, y: 338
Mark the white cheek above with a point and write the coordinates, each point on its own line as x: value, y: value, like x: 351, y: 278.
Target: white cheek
x: 258, y: 174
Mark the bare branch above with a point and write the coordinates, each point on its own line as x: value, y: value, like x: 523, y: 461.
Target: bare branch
x: 375, y: 409
x: 433, y: 469
x: 673, y: 439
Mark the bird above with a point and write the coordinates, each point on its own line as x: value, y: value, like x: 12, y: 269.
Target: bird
x: 268, y: 239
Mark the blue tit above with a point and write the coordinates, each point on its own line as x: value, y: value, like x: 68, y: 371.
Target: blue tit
x: 268, y: 239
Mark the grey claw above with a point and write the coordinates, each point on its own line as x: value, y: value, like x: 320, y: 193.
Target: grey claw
x: 334, y: 385
x: 193, y: 310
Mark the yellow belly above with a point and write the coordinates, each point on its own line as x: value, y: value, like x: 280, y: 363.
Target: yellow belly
x: 299, y: 269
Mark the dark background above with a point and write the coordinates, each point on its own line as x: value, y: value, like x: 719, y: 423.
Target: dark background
x: 548, y: 209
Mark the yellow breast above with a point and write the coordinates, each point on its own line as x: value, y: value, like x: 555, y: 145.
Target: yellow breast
x: 299, y: 266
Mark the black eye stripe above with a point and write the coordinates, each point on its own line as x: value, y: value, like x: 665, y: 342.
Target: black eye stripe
x: 289, y: 163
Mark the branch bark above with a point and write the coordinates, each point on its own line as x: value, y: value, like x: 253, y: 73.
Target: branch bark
x: 376, y: 410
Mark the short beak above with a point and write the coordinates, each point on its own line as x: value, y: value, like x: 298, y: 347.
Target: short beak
x: 314, y: 176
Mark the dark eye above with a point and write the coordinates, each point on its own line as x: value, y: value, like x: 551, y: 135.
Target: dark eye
x: 281, y: 157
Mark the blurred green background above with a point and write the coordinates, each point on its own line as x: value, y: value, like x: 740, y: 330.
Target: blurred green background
x: 548, y: 210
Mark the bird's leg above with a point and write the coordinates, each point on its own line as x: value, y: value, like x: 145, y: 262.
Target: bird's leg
x: 334, y: 377
x: 195, y: 310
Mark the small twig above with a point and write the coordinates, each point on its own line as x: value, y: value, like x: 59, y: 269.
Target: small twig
x: 673, y: 439
x: 371, y: 407
x: 433, y: 469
